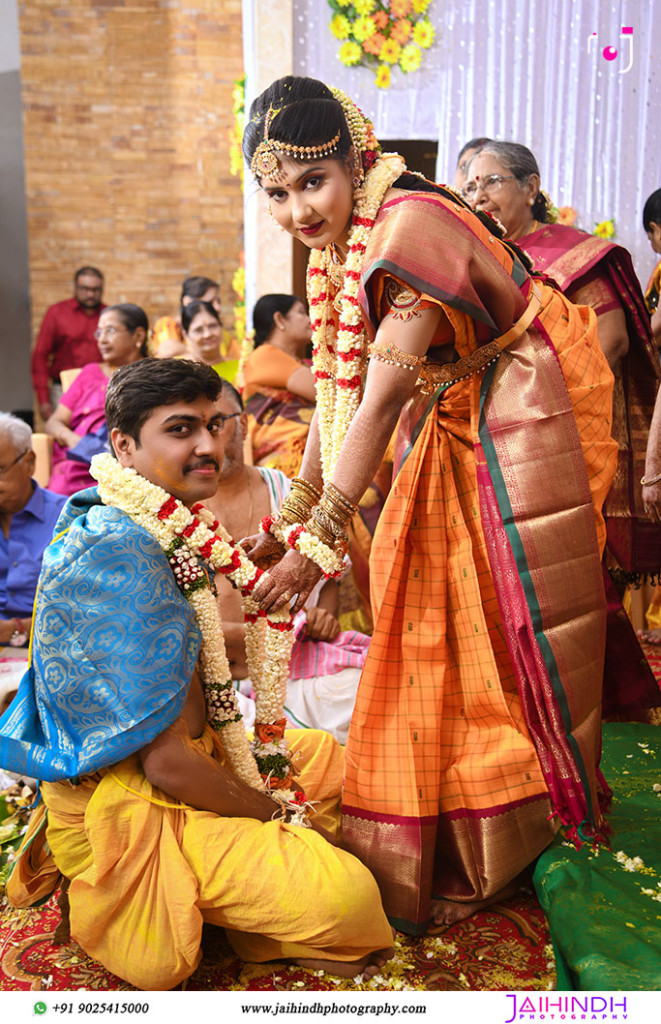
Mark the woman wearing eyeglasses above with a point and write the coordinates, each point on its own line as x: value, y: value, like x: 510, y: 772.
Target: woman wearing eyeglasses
x: 122, y: 338
x: 203, y: 334
x: 504, y: 180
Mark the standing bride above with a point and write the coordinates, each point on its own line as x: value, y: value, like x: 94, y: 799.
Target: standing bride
x: 477, y: 726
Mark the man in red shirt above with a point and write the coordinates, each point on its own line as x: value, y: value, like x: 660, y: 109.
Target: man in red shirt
x: 66, y: 338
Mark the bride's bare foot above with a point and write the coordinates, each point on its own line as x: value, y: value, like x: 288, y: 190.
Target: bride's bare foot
x: 450, y: 911
x: 367, y: 966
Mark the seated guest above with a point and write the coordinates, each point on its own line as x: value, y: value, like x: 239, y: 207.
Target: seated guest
x: 652, y: 225
x: 66, y: 337
x: 167, y: 338
x: 122, y: 338
x: 170, y: 822
x: 278, y: 383
x: 204, y: 337
x: 28, y: 515
x: 504, y: 180
x: 325, y: 662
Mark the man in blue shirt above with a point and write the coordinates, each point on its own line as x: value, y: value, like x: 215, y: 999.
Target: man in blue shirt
x: 28, y: 514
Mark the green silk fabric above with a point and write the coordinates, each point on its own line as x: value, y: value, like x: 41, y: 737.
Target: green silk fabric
x: 606, y: 931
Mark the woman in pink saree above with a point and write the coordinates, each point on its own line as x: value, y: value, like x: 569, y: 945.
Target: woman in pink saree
x: 504, y: 180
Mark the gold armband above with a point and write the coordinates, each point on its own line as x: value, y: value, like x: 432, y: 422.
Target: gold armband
x: 386, y: 352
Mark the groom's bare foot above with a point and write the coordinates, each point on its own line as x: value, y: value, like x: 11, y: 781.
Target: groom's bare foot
x: 450, y: 911
x: 367, y: 966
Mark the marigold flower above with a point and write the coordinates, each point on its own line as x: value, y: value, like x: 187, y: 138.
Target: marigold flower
x: 401, y: 31
x: 411, y: 58
x: 423, y: 33
x: 420, y: 6
x: 343, y: 3
x: 349, y: 53
x: 400, y: 8
x: 383, y: 77
x: 239, y: 282
x: 374, y: 43
x: 390, y: 52
x: 340, y: 26
x: 364, y: 7
x: 604, y: 229
x: 380, y: 19
x: 362, y: 29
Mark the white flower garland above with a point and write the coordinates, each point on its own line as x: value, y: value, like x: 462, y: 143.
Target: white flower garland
x: 188, y: 536
x: 340, y: 364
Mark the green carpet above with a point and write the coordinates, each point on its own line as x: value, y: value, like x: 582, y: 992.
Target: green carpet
x: 604, y: 910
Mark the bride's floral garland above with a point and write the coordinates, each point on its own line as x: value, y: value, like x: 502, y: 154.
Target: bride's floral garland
x: 340, y: 365
x: 188, y: 536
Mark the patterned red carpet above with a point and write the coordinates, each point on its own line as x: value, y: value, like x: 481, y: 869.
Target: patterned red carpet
x: 505, y: 947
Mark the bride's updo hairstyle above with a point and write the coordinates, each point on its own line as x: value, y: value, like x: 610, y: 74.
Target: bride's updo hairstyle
x: 301, y: 112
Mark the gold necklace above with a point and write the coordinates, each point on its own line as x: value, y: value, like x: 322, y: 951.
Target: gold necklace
x: 336, y: 266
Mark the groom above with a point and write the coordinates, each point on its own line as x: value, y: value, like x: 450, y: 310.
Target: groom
x: 154, y: 831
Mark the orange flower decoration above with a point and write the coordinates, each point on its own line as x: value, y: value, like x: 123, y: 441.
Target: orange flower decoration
x: 400, y: 8
x: 276, y: 783
x: 401, y: 31
x: 269, y: 731
x: 380, y: 19
x: 374, y: 44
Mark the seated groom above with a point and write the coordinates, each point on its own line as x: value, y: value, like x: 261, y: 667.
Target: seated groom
x: 155, y: 809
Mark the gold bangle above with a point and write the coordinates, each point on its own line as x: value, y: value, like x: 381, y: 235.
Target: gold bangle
x: 652, y: 480
x: 340, y: 501
x: 298, y: 483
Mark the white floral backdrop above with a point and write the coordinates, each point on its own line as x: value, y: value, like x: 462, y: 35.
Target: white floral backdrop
x: 523, y: 70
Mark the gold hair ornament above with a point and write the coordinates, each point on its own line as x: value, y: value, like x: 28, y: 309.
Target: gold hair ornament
x: 266, y: 163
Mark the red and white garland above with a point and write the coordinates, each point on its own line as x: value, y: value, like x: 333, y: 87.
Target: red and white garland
x: 340, y: 364
x: 331, y: 561
x: 188, y: 536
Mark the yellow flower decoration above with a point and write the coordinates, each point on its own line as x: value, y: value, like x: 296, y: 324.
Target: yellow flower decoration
x: 390, y: 52
x: 604, y: 229
x: 340, y: 26
x: 411, y: 58
x: 383, y: 77
x: 423, y: 33
x: 382, y: 34
x: 363, y: 28
x: 350, y: 53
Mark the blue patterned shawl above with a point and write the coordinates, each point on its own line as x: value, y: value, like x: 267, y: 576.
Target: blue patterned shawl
x: 114, y: 648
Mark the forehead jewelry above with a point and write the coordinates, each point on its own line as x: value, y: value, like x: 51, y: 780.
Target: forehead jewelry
x: 266, y: 163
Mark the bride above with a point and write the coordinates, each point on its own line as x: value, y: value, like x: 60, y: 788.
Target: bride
x: 476, y: 732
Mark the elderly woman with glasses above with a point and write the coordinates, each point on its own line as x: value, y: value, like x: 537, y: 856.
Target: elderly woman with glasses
x: 504, y: 180
x: 28, y: 514
x: 122, y: 338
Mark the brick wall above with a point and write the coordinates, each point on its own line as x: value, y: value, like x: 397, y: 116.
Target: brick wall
x: 127, y: 109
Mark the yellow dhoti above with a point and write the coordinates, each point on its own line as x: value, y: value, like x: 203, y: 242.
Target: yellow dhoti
x: 146, y: 874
